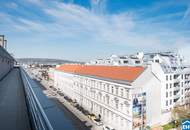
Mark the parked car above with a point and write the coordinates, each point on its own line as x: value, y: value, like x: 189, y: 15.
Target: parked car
x: 60, y: 93
x: 98, y: 122
x: 73, y: 103
x: 85, y: 112
x: 107, y: 128
x: 79, y: 107
x: 91, y: 116
x: 54, y: 89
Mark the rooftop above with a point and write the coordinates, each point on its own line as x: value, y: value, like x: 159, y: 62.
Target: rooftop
x: 124, y: 73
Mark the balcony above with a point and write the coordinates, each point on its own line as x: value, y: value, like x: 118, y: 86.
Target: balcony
x: 187, y: 77
x: 176, y: 83
x: 176, y: 99
x: 177, y: 80
x: 177, y: 88
x: 177, y: 95
x: 187, y: 85
x: 24, y: 106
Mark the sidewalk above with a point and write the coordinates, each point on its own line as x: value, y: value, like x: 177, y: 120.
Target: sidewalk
x: 71, y: 108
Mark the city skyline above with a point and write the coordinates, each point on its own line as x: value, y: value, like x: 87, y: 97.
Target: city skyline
x: 84, y: 30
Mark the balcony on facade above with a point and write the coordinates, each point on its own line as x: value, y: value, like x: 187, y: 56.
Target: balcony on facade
x: 176, y: 100
x: 187, y: 84
x: 176, y: 86
x: 177, y: 78
x: 176, y: 94
x: 187, y: 77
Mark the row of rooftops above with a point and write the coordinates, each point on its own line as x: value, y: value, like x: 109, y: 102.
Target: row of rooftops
x: 110, y: 68
x: 139, y: 59
x: 169, y: 61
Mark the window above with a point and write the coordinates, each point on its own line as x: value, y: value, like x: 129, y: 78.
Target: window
x: 137, y: 62
x: 157, y: 61
x: 127, y: 93
x: 170, y: 85
x: 166, y: 102
x: 107, y: 99
x: 166, y: 94
x: 116, y: 90
x: 166, y: 86
x: 170, y: 93
x: 170, y: 101
x: 121, y: 92
x: 125, y: 61
x: 116, y: 104
x: 112, y: 90
x: 108, y: 88
x: 170, y: 77
x: 166, y: 78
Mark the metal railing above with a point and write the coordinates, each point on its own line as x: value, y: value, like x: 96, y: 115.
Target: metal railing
x: 38, y: 116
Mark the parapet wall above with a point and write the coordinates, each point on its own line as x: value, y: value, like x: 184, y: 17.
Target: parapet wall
x: 6, y: 62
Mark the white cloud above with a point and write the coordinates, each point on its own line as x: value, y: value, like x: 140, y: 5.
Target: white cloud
x: 98, y: 6
x: 115, y: 29
x: 83, y: 25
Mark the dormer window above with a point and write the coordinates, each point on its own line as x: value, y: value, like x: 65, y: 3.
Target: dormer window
x: 157, y: 61
x: 137, y: 62
x: 125, y: 61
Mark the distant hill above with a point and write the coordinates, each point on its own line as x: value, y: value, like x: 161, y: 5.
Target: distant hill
x: 44, y: 61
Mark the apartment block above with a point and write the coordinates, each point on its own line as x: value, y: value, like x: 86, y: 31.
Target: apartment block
x: 128, y: 92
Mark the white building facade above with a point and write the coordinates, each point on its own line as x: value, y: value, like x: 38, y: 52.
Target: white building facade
x: 100, y: 98
x: 125, y: 105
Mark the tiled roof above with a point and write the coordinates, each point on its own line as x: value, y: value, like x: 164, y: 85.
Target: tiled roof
x: 126, y: 73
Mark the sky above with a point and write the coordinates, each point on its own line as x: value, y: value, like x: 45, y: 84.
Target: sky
x: 87, y: 29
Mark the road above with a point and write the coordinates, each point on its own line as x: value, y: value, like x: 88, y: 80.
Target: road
x: 78, y: 119
x: 13, y: 110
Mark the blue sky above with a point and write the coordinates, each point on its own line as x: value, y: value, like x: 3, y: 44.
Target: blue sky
x: 88, y: 29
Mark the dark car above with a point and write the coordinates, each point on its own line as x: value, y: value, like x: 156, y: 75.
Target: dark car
x: 85, y: 112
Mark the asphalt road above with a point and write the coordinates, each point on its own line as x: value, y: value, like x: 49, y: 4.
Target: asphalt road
x: 13, y: 110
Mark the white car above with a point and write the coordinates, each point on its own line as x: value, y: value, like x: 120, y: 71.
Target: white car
x: 107, y: 128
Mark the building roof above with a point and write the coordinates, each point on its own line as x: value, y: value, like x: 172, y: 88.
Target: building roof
x: 124, y: 73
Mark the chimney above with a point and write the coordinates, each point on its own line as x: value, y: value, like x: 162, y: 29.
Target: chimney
x: 5, y: 44
x: 2, y: 40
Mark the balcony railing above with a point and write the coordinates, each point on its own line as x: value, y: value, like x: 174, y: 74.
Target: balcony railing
x: 177, y: 95
x: 38, y: 116
x: 177, y: 80
x: 176, y: 88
